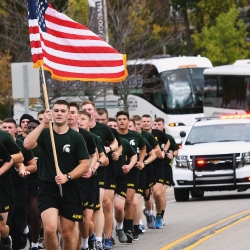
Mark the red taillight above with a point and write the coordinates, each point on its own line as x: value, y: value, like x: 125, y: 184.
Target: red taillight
x: 248, y: 178
x: 200, y: 162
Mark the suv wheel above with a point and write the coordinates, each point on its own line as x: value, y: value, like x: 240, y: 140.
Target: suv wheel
x: 181, y: 194
x: 197, y: 193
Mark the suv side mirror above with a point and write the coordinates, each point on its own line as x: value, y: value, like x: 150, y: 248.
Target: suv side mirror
x: 182, y: 134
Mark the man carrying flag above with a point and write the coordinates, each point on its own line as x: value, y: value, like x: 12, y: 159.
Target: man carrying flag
x: 73, y: 159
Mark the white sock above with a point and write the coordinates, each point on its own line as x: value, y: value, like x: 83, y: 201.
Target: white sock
x: 119, y: 226
x: 140, y: 222
x: 34, y: 244
x: 99, y: 239
x: 26, y: 230
x: 150, y: 212
x: 84, y: 243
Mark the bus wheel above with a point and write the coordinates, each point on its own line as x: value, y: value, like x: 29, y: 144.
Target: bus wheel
x: 197, y: 193
x: 181, y: 194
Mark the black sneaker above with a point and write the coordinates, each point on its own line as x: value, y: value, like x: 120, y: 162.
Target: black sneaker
x: 113, y: 240
x: 7, y: 243
x: 129, y: 236
x: 91, y: 242
x: 98, y: 245
x: 41, y: 243
x: 135, y: 235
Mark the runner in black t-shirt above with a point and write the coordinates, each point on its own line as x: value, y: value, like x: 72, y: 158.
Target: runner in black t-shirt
x: 5, y: 164
x: 86, y: 182
x: 144, y: 184
x: 73, y: 161
x: 159, y: 123
x: 7, y: 140
x: 107, y: 189
x: 159, y: 172
x: 137, y: 142
x: 18, y: 212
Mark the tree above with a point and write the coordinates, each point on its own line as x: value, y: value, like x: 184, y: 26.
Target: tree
x: 224, y: 42
x: 5, y: 82
x: 78, y: 11
x: 139, y: 29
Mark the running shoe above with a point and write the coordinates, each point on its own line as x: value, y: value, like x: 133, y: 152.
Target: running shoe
x: 150, y: 219
x: 7, y: 243
x: 113, y: 240
x: 158, y: 222
x: 91, y: 242
x: 163, y: 223
x: 141, y: 229
x: 121, y: 235
x: 135, y: 235
x: 107, y: 244
x: 130, y: 237
x: 41, y: 243
x: 98, y: 245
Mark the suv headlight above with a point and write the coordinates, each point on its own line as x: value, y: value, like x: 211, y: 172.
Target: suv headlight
x: 181, y: 161
x: 246, y: 158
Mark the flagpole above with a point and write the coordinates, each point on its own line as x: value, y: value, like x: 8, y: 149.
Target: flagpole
x: 46, y: 99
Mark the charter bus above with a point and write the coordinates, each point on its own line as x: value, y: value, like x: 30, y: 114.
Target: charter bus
x: 227, y: 89
x: 170, y: 87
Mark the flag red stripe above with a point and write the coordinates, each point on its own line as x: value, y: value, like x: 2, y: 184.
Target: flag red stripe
x: 81, y: 49
x: 61, y: 34
x: 65, y: 23
x: 35, y: 44
x: 34, y: 30
x: 78, y: 63
x: 84, y: 75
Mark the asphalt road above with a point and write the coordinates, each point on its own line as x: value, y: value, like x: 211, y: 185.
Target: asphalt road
x: 220, y: 220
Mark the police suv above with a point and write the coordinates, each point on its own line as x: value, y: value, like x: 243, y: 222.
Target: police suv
x: 215, y: 156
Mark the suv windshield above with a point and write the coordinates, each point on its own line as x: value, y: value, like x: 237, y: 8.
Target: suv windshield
x: 219, y: 133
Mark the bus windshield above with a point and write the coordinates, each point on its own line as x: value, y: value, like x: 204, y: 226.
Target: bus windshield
x: 184, y: 89
x: 178, y: 91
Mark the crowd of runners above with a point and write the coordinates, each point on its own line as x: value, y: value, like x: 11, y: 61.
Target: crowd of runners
x: 103, y: 170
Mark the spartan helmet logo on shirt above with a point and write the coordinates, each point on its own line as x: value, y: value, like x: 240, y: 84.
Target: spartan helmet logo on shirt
x: 66, y: 148
x: 132, y: 142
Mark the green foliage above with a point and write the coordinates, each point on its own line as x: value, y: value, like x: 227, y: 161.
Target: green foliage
x: 78, y: 11
x: 225, y: 42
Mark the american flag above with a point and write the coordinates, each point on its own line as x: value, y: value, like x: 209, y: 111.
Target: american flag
x: 69, y: 50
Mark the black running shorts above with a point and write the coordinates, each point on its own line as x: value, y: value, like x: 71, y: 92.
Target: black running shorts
x: 69, y: 205
x: 159, y: 171
x: 133, y: 178
x: 121, y: 186
x: 5, y: 193
x: 90, y: 192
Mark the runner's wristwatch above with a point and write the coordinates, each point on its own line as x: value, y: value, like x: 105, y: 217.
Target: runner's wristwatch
x: 69, y: 177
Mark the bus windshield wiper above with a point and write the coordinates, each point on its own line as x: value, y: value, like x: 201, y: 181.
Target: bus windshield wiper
x: 193, y: 143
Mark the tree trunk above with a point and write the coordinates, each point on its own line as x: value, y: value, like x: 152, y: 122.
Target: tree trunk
x: 187, y: 30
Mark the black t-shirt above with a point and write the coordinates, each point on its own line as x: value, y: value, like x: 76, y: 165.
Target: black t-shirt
x: 27, y: 155
x: 104, y: 132
x: 10, y: 145
x: 173, y: 146
x: 4, y: 155
x: 90, y: 143
x: 150, y: 138
x: 127, y: 152
x: 70, y: 149
x: 162, y: 139
x: 135, y: 139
